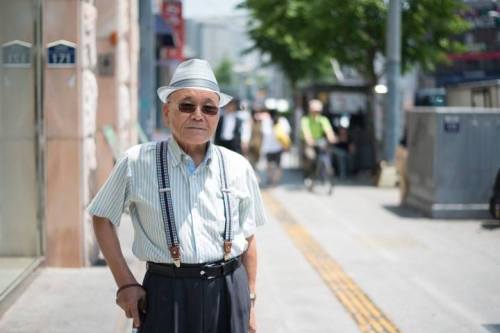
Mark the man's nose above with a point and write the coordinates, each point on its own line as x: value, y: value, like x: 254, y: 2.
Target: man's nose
x: 197, y: 112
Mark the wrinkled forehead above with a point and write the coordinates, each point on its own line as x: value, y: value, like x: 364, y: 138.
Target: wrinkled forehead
x: 195, y: 94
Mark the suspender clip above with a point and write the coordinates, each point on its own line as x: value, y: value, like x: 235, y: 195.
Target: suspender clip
x: 176, y: 255
x: 177, y: 263
x: 227, y: 249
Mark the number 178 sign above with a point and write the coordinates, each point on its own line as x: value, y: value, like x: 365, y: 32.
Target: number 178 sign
x: 61, y: 54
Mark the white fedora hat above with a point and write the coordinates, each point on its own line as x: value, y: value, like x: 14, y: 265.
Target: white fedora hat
x: 194, y: 74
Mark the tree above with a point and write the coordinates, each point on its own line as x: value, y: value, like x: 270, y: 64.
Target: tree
x: 224, y: 71
x: 302, y: 35
x: 274, y: 26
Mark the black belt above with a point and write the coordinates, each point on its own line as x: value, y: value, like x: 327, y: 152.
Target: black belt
x: 199, y: 271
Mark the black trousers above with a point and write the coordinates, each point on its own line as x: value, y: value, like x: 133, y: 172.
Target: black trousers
x: 193, y: 305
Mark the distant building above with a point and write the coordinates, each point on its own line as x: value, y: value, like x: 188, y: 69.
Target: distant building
x: 225, y: 38
x: 482, y: 62
x: 219, y: 38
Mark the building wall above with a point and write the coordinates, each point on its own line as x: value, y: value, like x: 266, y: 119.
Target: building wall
x: 69, y: 106
x: 78, y: 102
x: 117, y: 37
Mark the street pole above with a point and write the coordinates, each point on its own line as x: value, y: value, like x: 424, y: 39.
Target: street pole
x: 393, y: 55
x: 147, y: 63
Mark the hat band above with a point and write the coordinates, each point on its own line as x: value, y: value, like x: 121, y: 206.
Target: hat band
x: 201, y: 83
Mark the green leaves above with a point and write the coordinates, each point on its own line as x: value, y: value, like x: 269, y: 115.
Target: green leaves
x: 302, y: 35
x: 224, y: 71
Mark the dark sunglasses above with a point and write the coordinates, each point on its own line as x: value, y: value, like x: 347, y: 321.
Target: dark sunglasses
x: 187, y: 107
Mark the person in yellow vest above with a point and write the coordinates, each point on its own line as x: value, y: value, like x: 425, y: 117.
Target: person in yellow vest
x: 314, y: 127
x: 275, y: 140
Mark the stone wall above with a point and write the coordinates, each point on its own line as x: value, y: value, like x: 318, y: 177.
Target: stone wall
x: 78, y: 103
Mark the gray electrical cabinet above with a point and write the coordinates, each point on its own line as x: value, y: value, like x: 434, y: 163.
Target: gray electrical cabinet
x: 453, y: 158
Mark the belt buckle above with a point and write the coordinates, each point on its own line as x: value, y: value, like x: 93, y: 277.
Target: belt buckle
x: 205, y: 275
x: 204, y: 272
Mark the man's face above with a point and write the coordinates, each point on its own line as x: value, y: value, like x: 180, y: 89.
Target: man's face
x: 315, y: 113
x: 194, y: 128
x: 231, y: 107
x: 315, y: 108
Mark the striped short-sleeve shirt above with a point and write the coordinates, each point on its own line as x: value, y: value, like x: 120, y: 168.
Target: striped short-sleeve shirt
x: 196, y: 199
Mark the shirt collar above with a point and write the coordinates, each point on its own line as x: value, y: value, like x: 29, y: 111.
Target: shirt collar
x: 178, y: 155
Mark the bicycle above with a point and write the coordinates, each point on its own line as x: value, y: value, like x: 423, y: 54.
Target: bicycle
x: 324, y: 172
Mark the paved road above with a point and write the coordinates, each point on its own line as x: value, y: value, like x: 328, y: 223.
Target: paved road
x: 424, y: 275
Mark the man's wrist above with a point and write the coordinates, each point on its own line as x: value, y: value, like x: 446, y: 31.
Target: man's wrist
x: 128, y: 285
x: 253, y: 297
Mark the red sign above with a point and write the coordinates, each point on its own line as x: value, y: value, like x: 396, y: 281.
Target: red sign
x: 488, y: 55
x: 172, y: 13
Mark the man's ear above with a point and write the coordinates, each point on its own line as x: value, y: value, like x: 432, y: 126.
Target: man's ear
x: 165, y: 114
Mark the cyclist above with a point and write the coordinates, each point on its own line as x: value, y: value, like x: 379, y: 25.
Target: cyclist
x: 314, y: 128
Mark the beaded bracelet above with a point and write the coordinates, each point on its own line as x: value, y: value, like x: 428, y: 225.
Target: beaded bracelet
x: 125, y: 286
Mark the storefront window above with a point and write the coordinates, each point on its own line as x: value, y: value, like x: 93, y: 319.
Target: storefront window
x: 21, y: 177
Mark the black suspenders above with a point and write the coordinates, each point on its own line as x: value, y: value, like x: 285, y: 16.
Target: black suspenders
x: 167, y: 210
x: 228, y: 230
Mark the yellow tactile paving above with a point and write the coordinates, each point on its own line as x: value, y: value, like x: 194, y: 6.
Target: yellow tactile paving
x: 367, y: 316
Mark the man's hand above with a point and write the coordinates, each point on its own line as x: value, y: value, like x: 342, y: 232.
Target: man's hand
x: 129, y: 300
x: 108, y: 241
x: 252, y: 324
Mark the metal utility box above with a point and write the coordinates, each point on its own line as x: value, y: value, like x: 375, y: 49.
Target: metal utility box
x: 453, y: 157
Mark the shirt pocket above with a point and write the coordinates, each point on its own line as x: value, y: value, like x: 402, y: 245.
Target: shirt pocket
x: 235, y: 199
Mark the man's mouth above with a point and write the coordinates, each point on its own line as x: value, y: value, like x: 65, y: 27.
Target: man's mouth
x: 196, y: 128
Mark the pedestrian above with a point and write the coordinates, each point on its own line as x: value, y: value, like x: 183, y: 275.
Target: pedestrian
x: 230, y: 129
x: 255, y: 142
x: 274, y: 127
x: 343, y: 152
x: 194, y: 207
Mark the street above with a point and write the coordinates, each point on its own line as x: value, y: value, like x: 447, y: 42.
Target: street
x: 393, y: 270
x: 424, y: 275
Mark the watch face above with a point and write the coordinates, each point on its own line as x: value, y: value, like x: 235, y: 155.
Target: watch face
x: 253, y: 296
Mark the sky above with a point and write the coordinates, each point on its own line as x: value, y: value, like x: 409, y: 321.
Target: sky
x: 209, y: 8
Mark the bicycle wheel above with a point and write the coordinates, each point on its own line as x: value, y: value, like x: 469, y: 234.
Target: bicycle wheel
x: 327, y: 176
x: 324, y: 175
x: 330, y: 179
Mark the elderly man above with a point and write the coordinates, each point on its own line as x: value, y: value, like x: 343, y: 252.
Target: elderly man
x: 194, y: 207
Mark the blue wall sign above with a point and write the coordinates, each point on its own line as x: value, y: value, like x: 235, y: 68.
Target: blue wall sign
x: 61, y: 54
x: 451, y: 124
x: 16, y: 54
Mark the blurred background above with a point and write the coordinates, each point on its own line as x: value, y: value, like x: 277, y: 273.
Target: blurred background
x: 413, y: 86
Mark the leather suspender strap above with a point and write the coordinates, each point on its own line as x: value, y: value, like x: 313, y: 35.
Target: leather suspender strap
x: 167, y: 210
x: 228, y: 231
